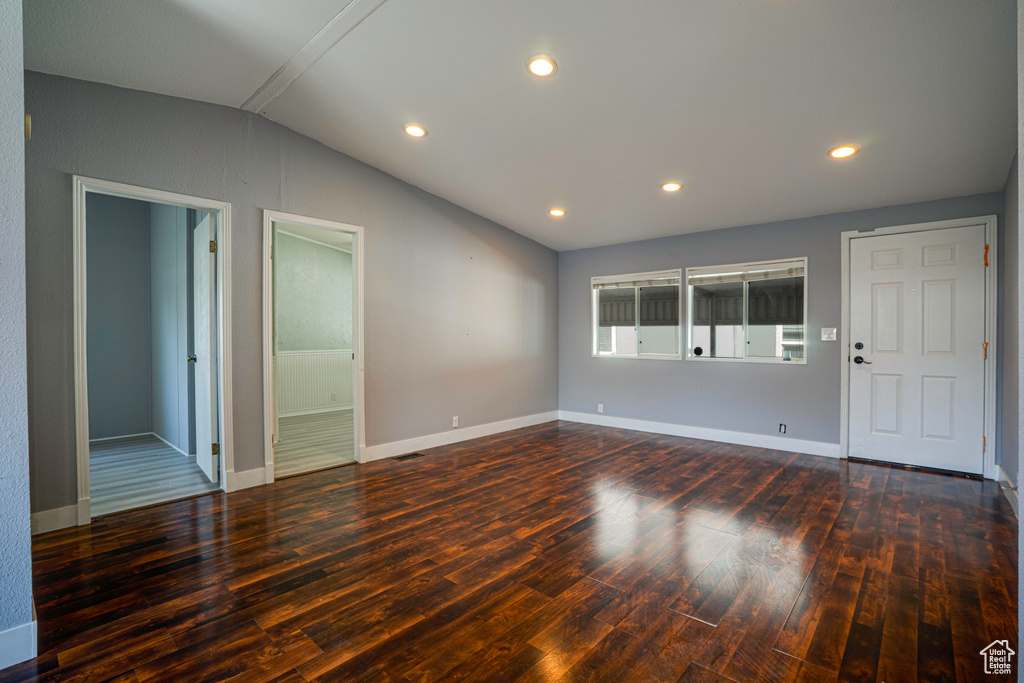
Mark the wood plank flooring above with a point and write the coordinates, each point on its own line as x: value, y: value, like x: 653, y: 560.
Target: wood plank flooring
x: 560, y: 552
x: 140, y: 470
x: 314, y: 442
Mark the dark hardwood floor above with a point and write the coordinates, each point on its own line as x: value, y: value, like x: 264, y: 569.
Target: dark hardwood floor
x: 558, y: 552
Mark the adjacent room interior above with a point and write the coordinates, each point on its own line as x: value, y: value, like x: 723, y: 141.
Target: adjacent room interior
x: 313, y: 334
x: 356, y: 340
x: 141, y: 315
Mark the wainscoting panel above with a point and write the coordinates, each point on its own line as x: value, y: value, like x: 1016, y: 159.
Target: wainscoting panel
x: 306, y: 381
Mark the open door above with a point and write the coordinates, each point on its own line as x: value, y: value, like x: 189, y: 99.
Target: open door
x: 205, y: 348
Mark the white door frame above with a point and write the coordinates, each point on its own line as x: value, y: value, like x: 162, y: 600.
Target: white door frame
x: 359, y: 414
x: 82, y: 186
x: 990, y: 469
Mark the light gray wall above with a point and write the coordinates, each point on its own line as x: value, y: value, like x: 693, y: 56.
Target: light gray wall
x: 740, y: 397
x: 313, y: 295
x: 15, y: 541
x: 118, y: 317
x: 1009, y: 349
x: 169, y: 290
x: 461, y: 313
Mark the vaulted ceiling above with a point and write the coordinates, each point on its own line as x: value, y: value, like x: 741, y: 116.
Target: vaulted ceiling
x: 739, y: 101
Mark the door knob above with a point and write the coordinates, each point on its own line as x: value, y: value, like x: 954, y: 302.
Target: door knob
x: 860, y: 359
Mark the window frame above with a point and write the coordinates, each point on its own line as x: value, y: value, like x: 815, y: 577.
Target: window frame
x: 729, y: 268
x: 628, y: 277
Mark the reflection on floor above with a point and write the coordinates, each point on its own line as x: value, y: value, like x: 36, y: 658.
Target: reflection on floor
x: 314, y: 442
x: 140, y: 470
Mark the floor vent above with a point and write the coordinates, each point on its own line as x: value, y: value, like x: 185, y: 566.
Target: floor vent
x: 409, y: 456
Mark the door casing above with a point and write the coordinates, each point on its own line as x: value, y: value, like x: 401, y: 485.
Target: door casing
x: 359, y: 411
x: 81, y: 187
x: 990, y: 469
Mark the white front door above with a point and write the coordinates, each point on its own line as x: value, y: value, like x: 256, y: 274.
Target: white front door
x: 917, y: 308
x: 204, y: 291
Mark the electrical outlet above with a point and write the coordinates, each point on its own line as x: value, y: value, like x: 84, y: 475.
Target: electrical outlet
x: 600, y: 407
x: 334, y: 395
x: 782, y: 428
x: 455, y: 421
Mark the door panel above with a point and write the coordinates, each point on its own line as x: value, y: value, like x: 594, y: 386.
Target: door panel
x: 917, y: 305
x: 205, y: 349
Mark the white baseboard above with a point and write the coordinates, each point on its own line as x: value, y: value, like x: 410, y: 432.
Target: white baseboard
x: 51, y: 520
x: 1009, y: 488
x: 316, y: 411
x: 17, y: 644
x: 779, y: 443
x: 171, y: 444
x: 123, y: 436
x: 390, y: 450
x: 236, y: 481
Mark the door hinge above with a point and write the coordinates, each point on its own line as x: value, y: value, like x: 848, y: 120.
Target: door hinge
x: 216, y: 449
x: 984, y: 348
x: 984, y: 445
x: 353, y: 355
x: 986, y: 256
x: 213, y: 246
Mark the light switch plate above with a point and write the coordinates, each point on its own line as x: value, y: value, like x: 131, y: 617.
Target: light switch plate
x: 828, y: 334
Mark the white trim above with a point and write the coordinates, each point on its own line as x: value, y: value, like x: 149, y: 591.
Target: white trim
x: 1009, y: 489
x: 317, y: 411
x: 991, y: 321
x: 351, y: 15
x: 316, y: 242
x: 778, y: 443
x: 171, y: 445
x: 18, y: 644
x: 132, y: 436
x: 236, y: 481
x: 358, y: 344
x: 222, y: 210
x: 46, y: 521
x: 303, y: 353
x: 123, y: 436
x: 390, y: 450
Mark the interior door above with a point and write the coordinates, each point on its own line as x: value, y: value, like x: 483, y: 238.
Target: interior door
x: 917, y: 356
x: 205, y: 348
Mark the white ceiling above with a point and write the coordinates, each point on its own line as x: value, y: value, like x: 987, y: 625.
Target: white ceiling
x: 739, y: 100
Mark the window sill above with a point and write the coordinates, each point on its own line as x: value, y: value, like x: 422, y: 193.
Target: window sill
x: 763, y: 361
x: 644, y: 357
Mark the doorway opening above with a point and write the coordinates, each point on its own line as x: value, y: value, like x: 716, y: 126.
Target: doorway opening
x: 150, y: 366
x: 312, y: 350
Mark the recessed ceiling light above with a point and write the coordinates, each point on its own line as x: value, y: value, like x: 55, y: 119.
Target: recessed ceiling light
x: 671, y: 187
x: 542, y: 65
x: 416, y: 131
x: 558, y: 213
x: 843, y: 151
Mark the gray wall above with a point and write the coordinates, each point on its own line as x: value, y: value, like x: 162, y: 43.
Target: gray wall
x: 118, y: 338
x: 15, y: 542
x: 313, y: 290
x: 169, y: 311
x: 740, y: 397
x: 1009, y: 351
x: 461, y: 313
